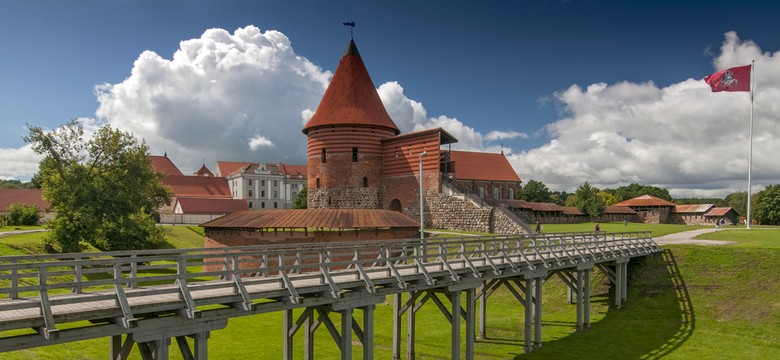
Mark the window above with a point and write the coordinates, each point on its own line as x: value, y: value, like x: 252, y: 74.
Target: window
x: 354, y: 154
x: 249, y: 192
x: 276, y: 194
x: 318, y: 183
x: 324, y: 156
x: 276, y: 183
x: 262, y: 182
x: 262, y: 204
x: 511, y: 193
x: 249, y: 182
x: 481, y: 192
x: 496, y: 193
x: 274, y: 204
x: 262, y: 193
x: 250, y: 204
x: 365, y: 181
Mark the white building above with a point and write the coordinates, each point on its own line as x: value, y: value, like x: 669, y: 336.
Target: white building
x: 264, y: 185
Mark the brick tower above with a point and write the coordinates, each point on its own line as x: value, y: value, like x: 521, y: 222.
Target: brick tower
x: 345, y: 158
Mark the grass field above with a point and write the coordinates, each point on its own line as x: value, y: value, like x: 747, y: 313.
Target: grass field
x: 729, y: 307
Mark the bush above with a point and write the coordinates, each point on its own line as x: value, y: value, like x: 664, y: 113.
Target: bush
x: 21, y: 214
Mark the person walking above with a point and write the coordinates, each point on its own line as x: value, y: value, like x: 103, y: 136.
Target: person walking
x: 538, y: 227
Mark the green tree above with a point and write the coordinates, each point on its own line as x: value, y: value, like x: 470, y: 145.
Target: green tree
x: 300, y: 201
x: 22, y: 214
x: 767, y: 205
x: 738, y: 201
x: 588, y: 201
x: 104, y: 188
x: 607, y: 198
x: 559, y: 197
x: 631, y: 191
x: 534, y: 191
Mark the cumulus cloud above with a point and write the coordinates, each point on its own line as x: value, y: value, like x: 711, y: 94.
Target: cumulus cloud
x: 411, y: 115
x: 505, y: 135
x: 18, y: 163
x: 216, y: 95
x: 681, y: 137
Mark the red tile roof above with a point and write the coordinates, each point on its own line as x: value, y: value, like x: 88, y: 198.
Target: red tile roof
x: 719, y: 211
x: 522, y: 204
x: 646, y: 200
x: 22, y: 196
x: 351, y: 97
x: 210, y: 205
x: 225, y: 168
x: 293, y: 170
x: 482, y: 166
x: 198, y: 186
x: 612, y: 209
x: 313, y: 218
x: 693, y: 208
x: 204, y: 171
x: 164, y: 165
x: 571, y: 210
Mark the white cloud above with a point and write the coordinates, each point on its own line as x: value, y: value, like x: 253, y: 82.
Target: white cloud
x: 411, y: 115
x: 20, y: 163
x: 215, y: 95
x: 681, y: 137
x: 505, y: 135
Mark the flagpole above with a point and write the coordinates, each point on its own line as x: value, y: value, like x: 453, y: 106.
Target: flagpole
x: 750, y: 153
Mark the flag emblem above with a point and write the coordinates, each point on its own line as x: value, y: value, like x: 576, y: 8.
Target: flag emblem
x: 733, y: 79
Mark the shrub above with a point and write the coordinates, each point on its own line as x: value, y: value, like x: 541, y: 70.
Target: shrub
x: 21, y: 214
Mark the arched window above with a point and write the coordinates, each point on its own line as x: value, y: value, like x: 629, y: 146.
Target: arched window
x: 482, y: 192
x: 511, y: 193
x: 354, y: 154
x: 496, y: 192
x: 324, y: 156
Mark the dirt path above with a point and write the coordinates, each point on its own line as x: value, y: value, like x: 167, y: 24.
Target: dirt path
x: 687, y: 237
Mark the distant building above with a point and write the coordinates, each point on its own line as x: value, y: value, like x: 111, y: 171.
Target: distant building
x: 264, y: 185
x: 659, y: 211
x: 197, y: 198
x: 29, y: 197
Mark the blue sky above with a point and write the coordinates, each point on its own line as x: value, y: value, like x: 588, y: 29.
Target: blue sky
x: 507, y: 68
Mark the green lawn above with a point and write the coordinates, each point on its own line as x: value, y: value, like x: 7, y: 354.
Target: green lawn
x: 727, y: 308
x: 617, y: 226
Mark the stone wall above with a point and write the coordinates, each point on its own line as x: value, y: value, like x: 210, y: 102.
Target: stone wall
x: 345, y: 198
x: 460, y: 214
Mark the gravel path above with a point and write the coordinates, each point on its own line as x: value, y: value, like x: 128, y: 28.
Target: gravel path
x: 687, y: 237
x: 15, y: 232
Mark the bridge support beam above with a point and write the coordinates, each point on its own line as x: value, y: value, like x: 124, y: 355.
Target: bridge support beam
x: 313, y: 317
x: 532, y: 301
x: 582, y: 291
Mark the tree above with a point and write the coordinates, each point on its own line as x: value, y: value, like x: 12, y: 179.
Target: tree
x: 300, y: 200
x: 534, y: 191
x: 588, y: 201
x: 738, y: 201
x: 607, y: 198
x: 631, y: 191
x: 560, y: 197
x: 767, y: 205
x: 104, y: 189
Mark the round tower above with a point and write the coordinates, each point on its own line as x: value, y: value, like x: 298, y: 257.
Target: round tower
x: 345, y: 140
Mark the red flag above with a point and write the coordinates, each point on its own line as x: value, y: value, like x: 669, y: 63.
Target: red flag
x: 733, y: 79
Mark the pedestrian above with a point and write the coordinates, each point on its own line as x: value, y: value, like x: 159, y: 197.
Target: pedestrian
x: 597, y: 227
x: 625, y: 222
x: 538, y: 227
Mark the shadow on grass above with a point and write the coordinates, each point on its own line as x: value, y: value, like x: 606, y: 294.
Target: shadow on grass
x: 656, y: 320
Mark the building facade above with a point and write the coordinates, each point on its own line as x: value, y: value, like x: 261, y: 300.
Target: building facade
x: 264, y: 185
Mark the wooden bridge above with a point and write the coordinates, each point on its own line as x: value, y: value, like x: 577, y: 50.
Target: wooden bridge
x: 148, y: 298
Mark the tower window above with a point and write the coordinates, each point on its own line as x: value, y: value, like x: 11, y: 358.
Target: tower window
x: 365, y: 181
x: 324, y: 156
x: 354, y: 154
x: 318, y: 183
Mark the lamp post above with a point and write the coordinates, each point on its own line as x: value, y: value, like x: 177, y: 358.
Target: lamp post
x: 422, y: 216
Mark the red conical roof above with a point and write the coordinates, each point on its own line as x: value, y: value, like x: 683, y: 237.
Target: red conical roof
x: 351, y: 98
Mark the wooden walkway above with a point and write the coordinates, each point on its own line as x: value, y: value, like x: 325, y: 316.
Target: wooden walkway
x: 154, y: 296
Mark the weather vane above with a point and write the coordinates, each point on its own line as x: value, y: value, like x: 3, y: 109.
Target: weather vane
x: 351, y: 25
